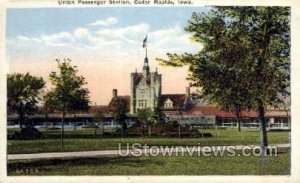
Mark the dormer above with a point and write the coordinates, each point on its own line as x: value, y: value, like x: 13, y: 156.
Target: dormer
x: 168, y: 103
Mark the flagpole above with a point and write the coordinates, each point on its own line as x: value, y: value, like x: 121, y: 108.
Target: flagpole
x: 146, y: 51
x: 145, y: 45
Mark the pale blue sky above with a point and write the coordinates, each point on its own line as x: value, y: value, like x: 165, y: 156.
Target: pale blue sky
x: 37, y: 21
x: 105, y: 43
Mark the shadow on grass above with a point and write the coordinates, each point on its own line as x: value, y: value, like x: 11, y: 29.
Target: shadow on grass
x: 43, y: 164
x: 244, y: 165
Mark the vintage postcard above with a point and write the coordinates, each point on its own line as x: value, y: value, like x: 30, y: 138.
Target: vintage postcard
x: 149, y: 90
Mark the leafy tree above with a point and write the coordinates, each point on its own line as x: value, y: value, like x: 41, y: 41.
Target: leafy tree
x: 120, y: 114
x: 23, y: 94
x: 79, y: 102
x: 157, y: 115
x: 145, y: 116
x: 98, y: 120
x: 49, y: 105
x: 49, y: 102
x: 244, y: 63
x: 69, y: 93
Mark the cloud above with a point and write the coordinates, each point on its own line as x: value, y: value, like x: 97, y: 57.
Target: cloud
x: 81, y: 32
x: 23, y: 38
x: 59, y: 39
x: 110, y: 39
x: 172, y: 39
x: 119, y: 42
x: 106, y: 23
x: 118, y: 39
x: 100, y: 50
x: 129, y: 30
x: 28, y: 39
x: 130, y: 34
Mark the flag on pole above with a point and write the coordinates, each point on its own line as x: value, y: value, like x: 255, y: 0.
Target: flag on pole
x: 145, y: 42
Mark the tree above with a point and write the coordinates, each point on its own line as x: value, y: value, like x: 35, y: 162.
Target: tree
x: 120, y: 114
x: 23, y: 94
x: 244, y: 63
x: 49, y: 105
x: 68, y: 92
x: 157, y: 115
x: 145, y: 117
x: 79, y: 102
x: 98, y: 120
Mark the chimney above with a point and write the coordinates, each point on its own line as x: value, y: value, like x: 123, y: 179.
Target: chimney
x: 115, y: 93
x: 188, y: 92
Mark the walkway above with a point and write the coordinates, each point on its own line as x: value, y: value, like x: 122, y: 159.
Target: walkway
x: 109, y: 153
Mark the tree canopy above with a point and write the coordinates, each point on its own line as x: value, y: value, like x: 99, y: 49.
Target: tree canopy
x: 23, y: 94
x: 245, y: 60
x: 69, y: 93
x: 144, y: 115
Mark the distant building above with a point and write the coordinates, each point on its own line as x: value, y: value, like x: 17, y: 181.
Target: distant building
x: 145, y: 89
x: 145, y: 92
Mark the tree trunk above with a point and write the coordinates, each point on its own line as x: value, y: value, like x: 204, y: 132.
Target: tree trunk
x: 21, y: 117
x: 74, y: 121
x: 46, y: 118
x: 261, y: 111
x: 287, y: 113
x: 102, y: 126
x: 238, y: 119
x: 116, y: 128
x: 179, y: 130
x: 62, y: 129
x: 149, y: 130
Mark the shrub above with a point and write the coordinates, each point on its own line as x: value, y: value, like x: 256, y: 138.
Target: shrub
x: 27, y: 134
x: 164, y: 130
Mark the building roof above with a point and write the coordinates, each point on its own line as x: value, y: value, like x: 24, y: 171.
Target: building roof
x: 213, y: 110
x: 278, y: 113
x: 98, y: 108
x: 125, y: 99
x: 177, y: 99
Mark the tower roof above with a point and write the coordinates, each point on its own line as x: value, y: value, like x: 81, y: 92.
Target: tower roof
x: 139, y: 77
x: 146, y: 60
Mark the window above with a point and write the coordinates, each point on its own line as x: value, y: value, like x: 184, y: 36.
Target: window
x: 140, y: 103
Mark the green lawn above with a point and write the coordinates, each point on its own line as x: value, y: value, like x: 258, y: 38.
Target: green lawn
x: 84, y: 132
x: 155, y: 166
x: 87, y: 141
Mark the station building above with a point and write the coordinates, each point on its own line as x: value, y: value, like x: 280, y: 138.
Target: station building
x: 145, y: 92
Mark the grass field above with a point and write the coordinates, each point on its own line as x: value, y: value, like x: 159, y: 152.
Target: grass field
x: 86, y: 141
x: 182, y: 165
